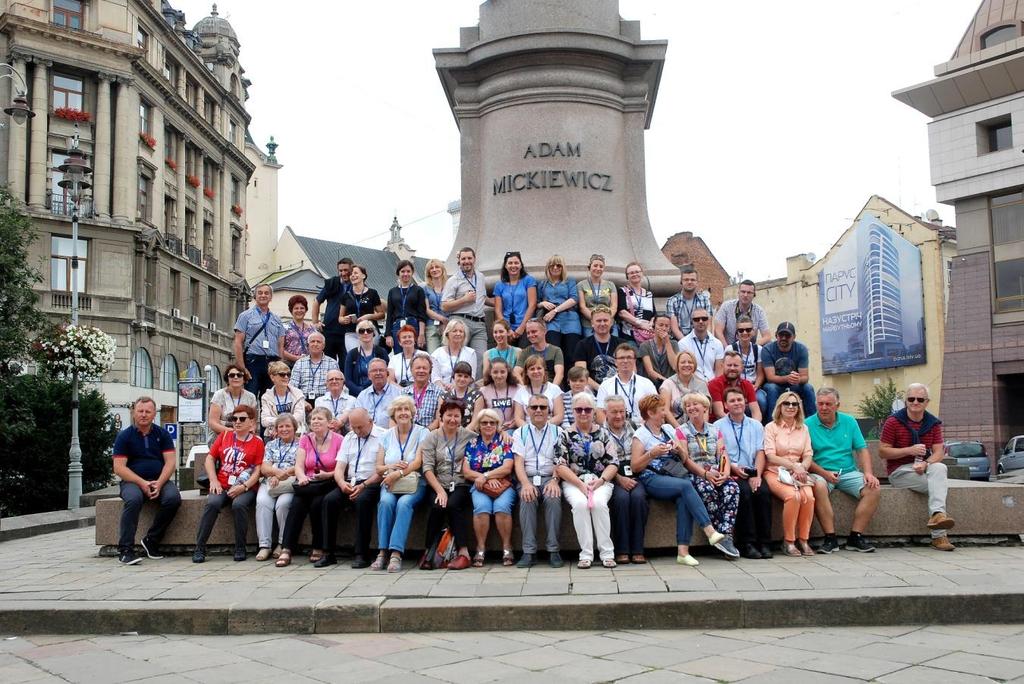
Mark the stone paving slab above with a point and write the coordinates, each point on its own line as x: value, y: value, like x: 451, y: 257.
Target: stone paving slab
x: 58, y: 583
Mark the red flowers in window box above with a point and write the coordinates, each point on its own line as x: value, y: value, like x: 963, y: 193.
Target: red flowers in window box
x: 171, y: 164
x: 148, y: 139
x: 208, y: 192
x: 236, y: 209
x: 192, y: 180
x: 72, y: 114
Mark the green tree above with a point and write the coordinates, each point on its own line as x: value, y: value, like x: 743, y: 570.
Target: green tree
x: 35, y: 436
x: 878, y: 404
x: 17, y: 275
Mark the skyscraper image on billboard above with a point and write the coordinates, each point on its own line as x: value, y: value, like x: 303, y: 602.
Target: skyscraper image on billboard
x: 872, y: 302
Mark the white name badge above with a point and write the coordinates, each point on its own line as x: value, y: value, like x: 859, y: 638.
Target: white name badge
x: 627, y: 471
x: 536, y: 480
x: 266, y: 344
x: 352, y: 481
x: 451, y: 486
x: 436, y: 322
x: 232, y: 480
x: 402, y: 322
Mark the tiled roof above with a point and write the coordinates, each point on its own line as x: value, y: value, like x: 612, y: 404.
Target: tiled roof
x: 305, y: 280
x: 380, y: 265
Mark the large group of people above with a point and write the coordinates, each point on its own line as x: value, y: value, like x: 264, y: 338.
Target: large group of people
x: 590, y: 395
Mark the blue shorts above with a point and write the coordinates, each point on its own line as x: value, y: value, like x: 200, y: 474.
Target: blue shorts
x: 483, y: 504
x: 850, y: 482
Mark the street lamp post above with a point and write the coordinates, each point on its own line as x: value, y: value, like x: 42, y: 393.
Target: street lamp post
x: 75, y: 170
x: 18, y: 108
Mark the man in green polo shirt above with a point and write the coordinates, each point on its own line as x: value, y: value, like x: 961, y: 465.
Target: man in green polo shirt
x: 836, y: 439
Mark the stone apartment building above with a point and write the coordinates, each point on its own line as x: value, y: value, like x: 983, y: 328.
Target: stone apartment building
x: 160, y: 111
x: 976, y: 136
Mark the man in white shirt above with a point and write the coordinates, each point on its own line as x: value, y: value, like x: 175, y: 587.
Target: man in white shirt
x: 337, y: 400
x: 706, y: 348
x: 464, y: 296
x: 358, y: 487
x: 626, y: 384
x: 534, y: 447
x: 378, y: 396
x: 310, y: 372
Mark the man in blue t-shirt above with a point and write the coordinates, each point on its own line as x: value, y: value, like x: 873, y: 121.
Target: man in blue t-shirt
x: 785, y: 364
x: 144, y: 459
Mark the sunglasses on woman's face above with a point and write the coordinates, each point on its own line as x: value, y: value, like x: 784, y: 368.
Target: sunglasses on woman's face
x: 583, y: 409
x: 238, y: 419
x: 744, y: 330
x: 365, y: 331
x: 791, y: 404
x: 235, y: 375
x: 488, y: 422
x: 283, y: 375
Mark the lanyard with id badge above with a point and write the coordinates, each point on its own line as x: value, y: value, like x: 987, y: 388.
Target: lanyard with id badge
x: 450, y: 448
x: 359, y: 455
x: 536, y: 451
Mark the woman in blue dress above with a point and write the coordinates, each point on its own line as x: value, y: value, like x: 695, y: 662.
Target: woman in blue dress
x: 557, y: 303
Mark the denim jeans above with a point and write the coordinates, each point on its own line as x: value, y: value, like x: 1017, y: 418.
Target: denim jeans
x: 394, y: 516
x: 689, y: 507
x: 773, y: 391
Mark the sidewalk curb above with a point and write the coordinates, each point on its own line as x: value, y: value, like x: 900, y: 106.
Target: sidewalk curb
x: 696, y: 610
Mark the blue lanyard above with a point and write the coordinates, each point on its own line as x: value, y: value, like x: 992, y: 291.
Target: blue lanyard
x: 235, y: 404
x: 536, y: 448
x: 405, y: 295
x: 405, y: 369
x: 686, y: 321
x: 472, y: 283
x: 359, y: 455
x: 739, y: 438
x: 364, y: 364
x: 401, y: 447
x: 281, y: 407
x: 314, y: 373
x: 377, y: 403
x: 450, y: 447
x: 602, y: 352
x: 291, y: 447
x: 596, y: 295
x: 435, y: 298
x: 454, y: 361
x: 632, y: 392
x: 511, y: 289
x: 702, y: 348
x: 302, y: 338
x: 316, y: 452
x: 355, y: 298
x: 334, y: 405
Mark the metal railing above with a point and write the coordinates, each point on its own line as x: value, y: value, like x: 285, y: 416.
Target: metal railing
x: 210, y: 264
x: 194, y: 254
x: 173, y: 243
x: 61, y: 205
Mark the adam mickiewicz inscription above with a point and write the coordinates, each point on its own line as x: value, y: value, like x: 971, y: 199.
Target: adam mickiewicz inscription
x: 546, y: 179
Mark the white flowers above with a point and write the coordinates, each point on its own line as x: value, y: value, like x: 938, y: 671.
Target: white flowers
x: 84, y: 348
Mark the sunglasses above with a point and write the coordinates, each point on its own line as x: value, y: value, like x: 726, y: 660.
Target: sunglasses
x: 583, y: 409
x: 744, y: 330
x: 283, y: 375
x: 699, y: 318
x: 513, y: 254
x: 790, y: 404
x: 917, y: 400
x: 597, y: 257
x: 365, y: 331
x: 238, y: 419
x: 235, y: 375
x: 539, y: 407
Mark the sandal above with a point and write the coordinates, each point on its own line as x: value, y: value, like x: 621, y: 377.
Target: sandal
x: 395, y: 564
x: 478, y: 559
x: 805, y: 548
x: 277, y: 551
x: 789, y: 548
x: 284, y: 560
x: 584, y: 564
x: 608, y: 563
x: 315, y: 555
x: 378, y: 563
x: 622, y: 558
x: 638, y: 558
x: 508, y: 558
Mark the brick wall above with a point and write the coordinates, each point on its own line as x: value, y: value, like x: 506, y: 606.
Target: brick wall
x: 685, y: 248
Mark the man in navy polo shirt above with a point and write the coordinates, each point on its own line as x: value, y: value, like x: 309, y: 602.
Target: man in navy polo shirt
x: 144, y: 459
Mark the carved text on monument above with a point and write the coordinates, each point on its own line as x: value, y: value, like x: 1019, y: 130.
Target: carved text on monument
x: 548, y: 179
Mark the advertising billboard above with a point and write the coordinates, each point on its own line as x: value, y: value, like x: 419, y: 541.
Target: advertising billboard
x: 871, y: 299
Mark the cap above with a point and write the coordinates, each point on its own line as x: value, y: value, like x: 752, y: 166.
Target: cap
x: 786, y: 327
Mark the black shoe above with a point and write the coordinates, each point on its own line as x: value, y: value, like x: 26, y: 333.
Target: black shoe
x: 766, y: 551
x: 199, y: 555
x: 240, y: 554
x: 527, y: 561
x: 151, y: 548
x: 555, y: 559
x: 358, y: 563
x: 859, y: 543
x: 750, y: 551
x: 829, y: 545
x: 128, y: 557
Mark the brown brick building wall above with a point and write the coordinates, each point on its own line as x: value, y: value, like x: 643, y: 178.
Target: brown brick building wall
x: 685, y: 248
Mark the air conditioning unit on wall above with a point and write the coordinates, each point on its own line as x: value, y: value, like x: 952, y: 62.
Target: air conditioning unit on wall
x: 195, y: 320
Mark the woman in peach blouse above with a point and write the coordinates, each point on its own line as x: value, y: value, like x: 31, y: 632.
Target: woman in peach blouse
x: 787, y: 445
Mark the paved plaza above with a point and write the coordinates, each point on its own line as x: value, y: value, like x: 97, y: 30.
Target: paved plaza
x: 947, y: 654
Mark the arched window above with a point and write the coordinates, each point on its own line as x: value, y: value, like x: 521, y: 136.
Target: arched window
x: 998, y: 35
x: 194, y: 372
x: 142, y: 369
x: 216, y: 381
x: 235, y: 88
x: 169, y: 374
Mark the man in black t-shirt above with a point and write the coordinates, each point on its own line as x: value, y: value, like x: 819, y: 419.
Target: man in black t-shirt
x: 144, y: 459
x: 332, y: 292
x: 596, y: 352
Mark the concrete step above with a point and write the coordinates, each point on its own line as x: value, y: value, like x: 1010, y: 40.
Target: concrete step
x: 22, y: 526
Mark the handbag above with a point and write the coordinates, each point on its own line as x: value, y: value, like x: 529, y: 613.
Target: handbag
x: 672, y: 467
x: 283, y: 487
x: 785, y: 477
x: 443, y: 551
x: 494, y: 492
x: 314, y: 487
x: 406, y: 484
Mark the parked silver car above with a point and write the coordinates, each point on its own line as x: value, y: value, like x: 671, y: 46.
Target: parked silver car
x: 973, y: 455
x: 1012, y: 457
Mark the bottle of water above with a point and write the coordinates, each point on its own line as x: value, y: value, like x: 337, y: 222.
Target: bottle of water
x: 243, y: 477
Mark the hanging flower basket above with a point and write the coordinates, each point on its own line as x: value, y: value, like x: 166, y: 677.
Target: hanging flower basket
x: 171, y: 164
x: 236, y: 209
x: 67, y: 348
x: 72, y: 114
x: 208, y: 192
x: 149, y: 140
x: 192, y: 180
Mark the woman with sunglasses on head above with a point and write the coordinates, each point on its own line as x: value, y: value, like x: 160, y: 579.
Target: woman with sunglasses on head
x: 281, y: 398
x: 437, y: 276
x: 750, y: 351
x: 515, y: 296
x: 233, y: 468
x: 498, y: 393
x: 488, y: 470
x: 225, y: 400
x: 407, y: 306
x: 594, y: 291
x: 787, y: 447
x: 557, y: 304
x: 636, y: 306
x: 359, y: 303
x: 357, y: 360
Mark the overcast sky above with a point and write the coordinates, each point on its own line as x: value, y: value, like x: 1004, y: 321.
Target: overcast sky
x: 774, y: 120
